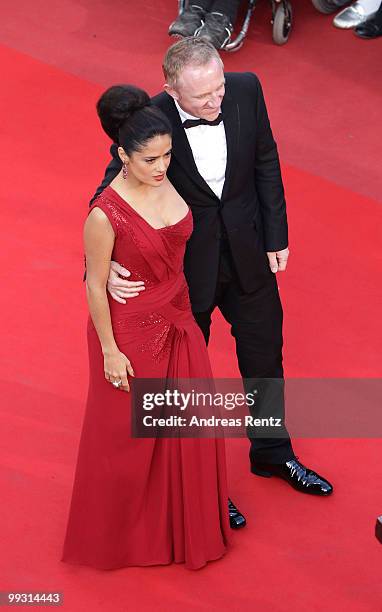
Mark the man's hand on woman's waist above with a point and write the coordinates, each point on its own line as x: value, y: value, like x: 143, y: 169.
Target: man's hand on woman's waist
x: 121, y: 288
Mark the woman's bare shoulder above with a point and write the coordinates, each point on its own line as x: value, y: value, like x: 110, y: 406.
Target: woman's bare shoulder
x: 97, y: 220
x: 97, y: 215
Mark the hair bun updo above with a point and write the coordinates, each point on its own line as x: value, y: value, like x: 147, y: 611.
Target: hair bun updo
x: 117, y: 104
x: 128, y: 117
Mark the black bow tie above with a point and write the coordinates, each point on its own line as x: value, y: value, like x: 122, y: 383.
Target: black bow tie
x: 189, y: 123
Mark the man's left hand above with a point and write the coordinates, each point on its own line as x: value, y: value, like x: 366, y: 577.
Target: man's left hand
x: 278, y: 260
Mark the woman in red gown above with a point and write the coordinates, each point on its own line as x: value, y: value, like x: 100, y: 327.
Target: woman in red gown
x: 142, y: 501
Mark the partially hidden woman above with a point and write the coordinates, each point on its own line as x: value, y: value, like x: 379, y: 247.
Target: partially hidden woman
x: 142, y: 501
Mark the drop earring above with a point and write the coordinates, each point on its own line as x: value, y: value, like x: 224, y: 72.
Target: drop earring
x: 124, y: 170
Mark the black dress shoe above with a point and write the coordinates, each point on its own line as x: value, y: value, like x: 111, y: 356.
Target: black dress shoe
x: 372, y: 27
x: 236, y: 519
x: 296, y: 474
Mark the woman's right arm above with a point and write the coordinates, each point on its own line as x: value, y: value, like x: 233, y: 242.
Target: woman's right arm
x: 99, y: 241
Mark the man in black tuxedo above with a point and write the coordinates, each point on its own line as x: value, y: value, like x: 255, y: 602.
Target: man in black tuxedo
x: 226, y: 167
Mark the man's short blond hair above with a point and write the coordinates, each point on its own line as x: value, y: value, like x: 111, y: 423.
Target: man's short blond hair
x: 190, y: 50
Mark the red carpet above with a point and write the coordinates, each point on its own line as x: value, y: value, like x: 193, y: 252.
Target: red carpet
x: 297, y: 552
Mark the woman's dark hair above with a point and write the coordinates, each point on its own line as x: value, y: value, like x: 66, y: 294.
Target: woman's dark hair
x: 128, y: 117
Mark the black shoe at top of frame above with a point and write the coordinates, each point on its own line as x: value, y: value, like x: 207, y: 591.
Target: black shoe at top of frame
x: 296, y: 474
x: 236, y: 519
x: 188, y: 22
x: 217, y: 29
x: 372, y: 27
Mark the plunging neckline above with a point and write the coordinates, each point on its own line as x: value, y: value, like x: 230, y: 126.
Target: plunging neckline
x: 156, y: 229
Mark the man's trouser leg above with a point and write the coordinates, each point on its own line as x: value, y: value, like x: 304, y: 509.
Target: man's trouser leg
x: 256, y: 324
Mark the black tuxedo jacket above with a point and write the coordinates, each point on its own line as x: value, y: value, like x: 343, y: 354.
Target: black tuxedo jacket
x: 251, y: 211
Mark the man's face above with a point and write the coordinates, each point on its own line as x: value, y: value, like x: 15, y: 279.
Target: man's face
x: 200, y: 89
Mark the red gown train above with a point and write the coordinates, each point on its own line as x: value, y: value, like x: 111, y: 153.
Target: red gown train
x: 144, y: 501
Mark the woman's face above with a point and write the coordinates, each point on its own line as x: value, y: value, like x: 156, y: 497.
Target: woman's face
x: 149, y: 165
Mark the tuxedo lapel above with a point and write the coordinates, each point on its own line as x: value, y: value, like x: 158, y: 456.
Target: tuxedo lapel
x: 181, y: 148
x: 231, y: 118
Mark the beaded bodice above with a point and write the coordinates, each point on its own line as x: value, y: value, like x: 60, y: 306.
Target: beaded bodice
x: 151, y: 255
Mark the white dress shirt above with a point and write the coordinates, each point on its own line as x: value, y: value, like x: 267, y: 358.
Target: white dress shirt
x: 209, y: 148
